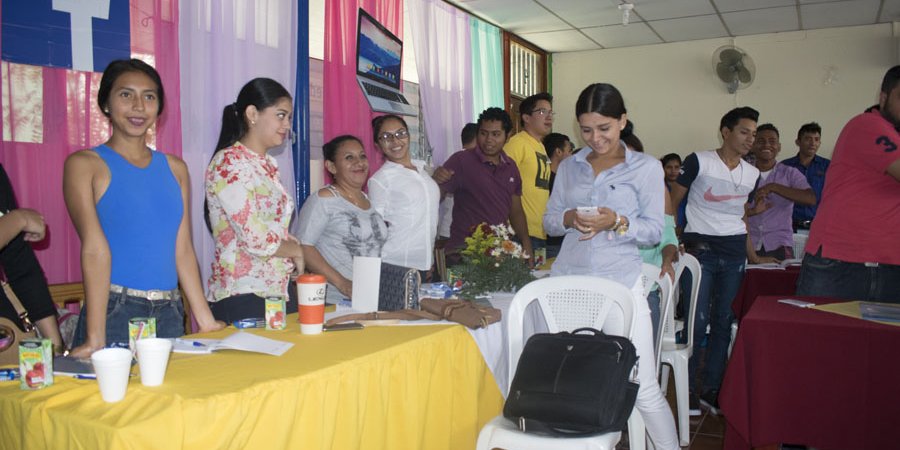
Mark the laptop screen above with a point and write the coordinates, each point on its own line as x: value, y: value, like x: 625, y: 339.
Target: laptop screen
x: 378, y: 52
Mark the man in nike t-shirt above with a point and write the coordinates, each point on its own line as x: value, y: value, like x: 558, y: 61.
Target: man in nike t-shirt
x: 717, y: 184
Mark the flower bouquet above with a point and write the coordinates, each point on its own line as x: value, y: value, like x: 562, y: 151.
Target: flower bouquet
x: 492, y: 262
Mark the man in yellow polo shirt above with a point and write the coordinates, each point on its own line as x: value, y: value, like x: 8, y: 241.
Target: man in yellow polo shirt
x: 525, y: 148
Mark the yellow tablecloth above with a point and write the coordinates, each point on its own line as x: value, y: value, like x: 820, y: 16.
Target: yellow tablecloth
x: 392, y: 388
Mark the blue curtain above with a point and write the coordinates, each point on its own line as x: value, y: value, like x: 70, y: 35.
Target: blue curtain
x: 487, y: 66
x: 300, y: 147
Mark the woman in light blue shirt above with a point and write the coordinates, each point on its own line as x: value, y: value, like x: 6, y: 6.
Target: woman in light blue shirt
x: 608, y: 200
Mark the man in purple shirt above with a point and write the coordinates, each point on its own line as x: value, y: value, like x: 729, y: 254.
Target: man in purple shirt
x: 769, y: 225
x: 485, y: 184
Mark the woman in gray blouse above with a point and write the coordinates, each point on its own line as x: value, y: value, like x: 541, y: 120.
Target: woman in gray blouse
x: 339, y: 222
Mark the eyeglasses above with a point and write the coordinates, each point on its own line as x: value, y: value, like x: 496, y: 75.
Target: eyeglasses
x: 398, y: 135
x: 544, y: 112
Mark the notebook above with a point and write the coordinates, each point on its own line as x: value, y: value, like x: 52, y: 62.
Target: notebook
x: 378, y: 57
x: 241, y: 340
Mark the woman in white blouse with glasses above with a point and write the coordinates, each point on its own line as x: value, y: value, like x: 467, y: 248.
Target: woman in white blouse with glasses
x: 406, y: 196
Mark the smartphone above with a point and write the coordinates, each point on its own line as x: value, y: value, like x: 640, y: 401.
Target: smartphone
x: 344, y: 326
x: 587, y: 210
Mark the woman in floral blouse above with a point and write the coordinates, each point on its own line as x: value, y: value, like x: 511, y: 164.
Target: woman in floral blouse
x: 249, y: 209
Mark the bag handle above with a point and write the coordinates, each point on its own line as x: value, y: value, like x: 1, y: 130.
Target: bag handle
x: 402, y: 314
x: 17, y: 305
x: 593, y: 331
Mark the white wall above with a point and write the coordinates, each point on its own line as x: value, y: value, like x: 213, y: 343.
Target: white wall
x: 675, y: 100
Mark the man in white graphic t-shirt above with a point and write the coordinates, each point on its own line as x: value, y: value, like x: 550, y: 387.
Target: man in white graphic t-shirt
x: 717, y: 184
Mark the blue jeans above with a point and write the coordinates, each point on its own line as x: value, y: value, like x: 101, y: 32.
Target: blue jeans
x: 169, y: 316
x: 826, y: 277
x: 719, y: 283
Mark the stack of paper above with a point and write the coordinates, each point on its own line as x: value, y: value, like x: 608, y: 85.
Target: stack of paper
x: 241, y: 340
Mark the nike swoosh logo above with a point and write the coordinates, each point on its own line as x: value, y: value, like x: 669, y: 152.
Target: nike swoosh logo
x: 710, y: 197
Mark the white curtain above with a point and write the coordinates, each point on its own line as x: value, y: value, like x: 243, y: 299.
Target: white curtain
x: 223, y: 45
x: 443, y: 59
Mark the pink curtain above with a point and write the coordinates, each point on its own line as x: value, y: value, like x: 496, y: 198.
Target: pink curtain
x: 345, y: 108
x: 49, y: 113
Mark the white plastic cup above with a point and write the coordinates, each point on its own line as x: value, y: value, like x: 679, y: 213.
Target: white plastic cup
x: 112, y: 366
x: 153, y: 358
x: 311, y: 302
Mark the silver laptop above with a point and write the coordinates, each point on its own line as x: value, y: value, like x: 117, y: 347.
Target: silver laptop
x: 378, y: 55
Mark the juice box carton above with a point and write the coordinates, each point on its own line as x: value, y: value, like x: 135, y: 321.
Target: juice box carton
x: 276, y: 309
x: 140, y: 328
x: 35, y: 363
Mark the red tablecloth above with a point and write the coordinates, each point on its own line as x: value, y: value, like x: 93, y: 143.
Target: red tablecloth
x: 759, y: 282
x: 814, y: 378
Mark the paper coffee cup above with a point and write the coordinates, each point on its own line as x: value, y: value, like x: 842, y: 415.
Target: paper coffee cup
x: 311, y: 302
x: 112, y: 366
x: 153, y: 358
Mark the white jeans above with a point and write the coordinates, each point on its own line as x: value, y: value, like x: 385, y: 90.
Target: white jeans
x: 650, y: 400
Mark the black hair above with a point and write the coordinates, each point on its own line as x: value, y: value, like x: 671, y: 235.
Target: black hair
x: 330, y: 149
x: 767, y: 127
x: 528, y: 105
x: 259, y: 92
x: 378, y: 121
x: 601, y: 98
x: 731, y: 118
x: 495, y: 114
x: 670, y: 157
x: 631, y: 140
x: 811, y: 128
x: 554, y: 142
x: 891, y: 78
x: 469, y: 133
x: 118, y: 67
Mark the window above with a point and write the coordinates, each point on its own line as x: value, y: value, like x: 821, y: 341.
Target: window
x: 524, y: 70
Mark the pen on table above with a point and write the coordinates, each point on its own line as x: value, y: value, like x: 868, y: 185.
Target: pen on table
x: 197, y: 344
x: 84, y: 377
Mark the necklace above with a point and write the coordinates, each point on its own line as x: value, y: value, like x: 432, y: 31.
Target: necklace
x: 736, y: 184
x: 348, y: 197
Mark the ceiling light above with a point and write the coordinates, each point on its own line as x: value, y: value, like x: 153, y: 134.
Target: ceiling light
x: 626, y: 11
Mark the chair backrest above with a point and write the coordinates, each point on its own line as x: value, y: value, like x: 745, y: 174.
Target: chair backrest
x: 665, y: 310
x: 567, y: 303
x: 686, y: 262
x: 650, y: 279
x: 649, y: 276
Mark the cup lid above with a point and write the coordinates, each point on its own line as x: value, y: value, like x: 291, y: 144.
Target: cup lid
x: 311, y: 278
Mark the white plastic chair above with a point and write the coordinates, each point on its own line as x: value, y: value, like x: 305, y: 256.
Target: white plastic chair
x: 566, y: 303
x: 678, y: 355
x: 649, y: 277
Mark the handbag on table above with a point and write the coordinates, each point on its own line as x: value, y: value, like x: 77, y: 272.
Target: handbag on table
x: 398, y: 288
x: 460, y: 311
x: 12, y: 333
x: 573, y: 384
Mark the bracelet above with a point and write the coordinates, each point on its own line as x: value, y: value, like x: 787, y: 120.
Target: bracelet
x: 617, y: 223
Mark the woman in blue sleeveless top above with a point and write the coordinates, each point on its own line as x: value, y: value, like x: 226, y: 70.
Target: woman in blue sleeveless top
x: 129, y: 205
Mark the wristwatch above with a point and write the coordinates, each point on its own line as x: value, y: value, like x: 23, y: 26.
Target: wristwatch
x: 622, y: 225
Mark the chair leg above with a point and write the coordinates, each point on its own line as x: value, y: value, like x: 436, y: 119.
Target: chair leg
x: 682, y: 395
